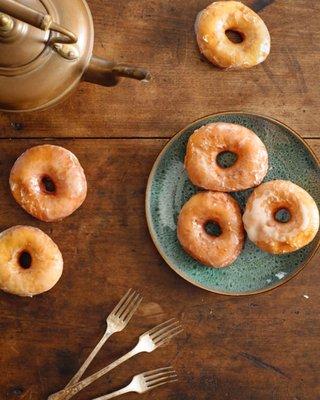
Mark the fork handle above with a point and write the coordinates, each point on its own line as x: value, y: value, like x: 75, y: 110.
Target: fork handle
x: 88, y: 361
x: 117, y: 393
x: 71, y: 391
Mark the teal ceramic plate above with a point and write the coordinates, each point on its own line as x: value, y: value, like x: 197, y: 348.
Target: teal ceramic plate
x: 169, y: 188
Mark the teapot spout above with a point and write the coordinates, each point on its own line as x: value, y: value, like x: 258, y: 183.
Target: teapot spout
x: 128, y: 71
x: 107, y: 73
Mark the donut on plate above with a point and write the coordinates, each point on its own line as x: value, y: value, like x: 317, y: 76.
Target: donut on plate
x: 48, y: 182
x: 30, y: 262
x: 209, y: 141
x: 214, y: 250
x: 267, y: 231
x: 212, y: 24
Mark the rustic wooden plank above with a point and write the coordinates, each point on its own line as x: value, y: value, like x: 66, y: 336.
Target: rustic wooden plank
x: 159, y: 34
x: 260, y: 347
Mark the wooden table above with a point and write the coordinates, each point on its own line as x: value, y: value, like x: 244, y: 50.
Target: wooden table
x: 263, y: 347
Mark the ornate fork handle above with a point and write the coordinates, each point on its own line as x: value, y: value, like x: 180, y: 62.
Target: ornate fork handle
x: 71, y: 391
x: 88, y: 361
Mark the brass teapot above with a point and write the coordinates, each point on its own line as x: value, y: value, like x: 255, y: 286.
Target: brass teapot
x: 46, y: 49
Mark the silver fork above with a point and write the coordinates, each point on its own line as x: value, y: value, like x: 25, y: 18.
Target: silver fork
x: 147, y: 342
x: 116, y: 322
x: 144, y: 382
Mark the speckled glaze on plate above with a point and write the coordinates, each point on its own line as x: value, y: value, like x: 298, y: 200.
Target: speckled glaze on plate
x: 169, y: 188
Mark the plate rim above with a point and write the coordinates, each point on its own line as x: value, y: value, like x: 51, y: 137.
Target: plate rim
x: 149, y: 218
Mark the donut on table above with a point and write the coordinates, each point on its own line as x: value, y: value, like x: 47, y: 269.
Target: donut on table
x: 212, y: 24
x: 269, y: 233
x: 205, y: 145
x: 30, y: 262
x: 48, y: 182
x: 211, y: 207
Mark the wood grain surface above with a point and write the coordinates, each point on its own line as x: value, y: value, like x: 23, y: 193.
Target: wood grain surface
x: 258, y: 347
x: 263, y: 347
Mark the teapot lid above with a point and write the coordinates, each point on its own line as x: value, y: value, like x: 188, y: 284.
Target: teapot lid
x: 38, y: 66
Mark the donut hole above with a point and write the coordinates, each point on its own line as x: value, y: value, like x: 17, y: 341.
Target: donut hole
x: 234, y: 36
x: 226, y: 159
x: 25, y: 259
x: 47, y: 185
x: 282, y: 215
x: 212, y: 228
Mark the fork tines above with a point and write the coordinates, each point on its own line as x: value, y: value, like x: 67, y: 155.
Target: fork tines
x: 164, y: 332
x: 159, y: 377
x: 127, y: 305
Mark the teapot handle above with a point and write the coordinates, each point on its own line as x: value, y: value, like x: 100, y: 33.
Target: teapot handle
x: 107, y: 73
x: 37, y: 19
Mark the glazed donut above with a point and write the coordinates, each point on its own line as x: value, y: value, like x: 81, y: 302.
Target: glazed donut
x: 274, y: 236
x: 221, y: 16
x: 48, y: 182
x: 30, y: 262
x: 203, y: 208
x: 207, y: 142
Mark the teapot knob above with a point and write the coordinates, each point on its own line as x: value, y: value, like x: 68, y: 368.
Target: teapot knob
x: 6, y: 23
